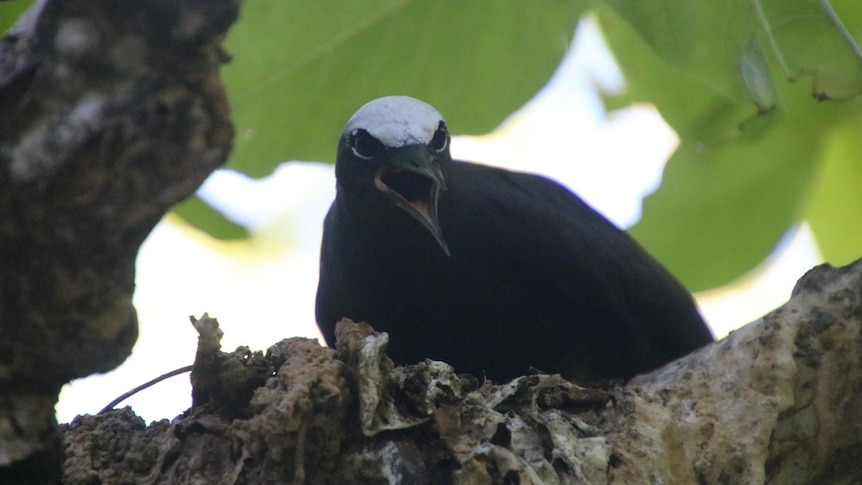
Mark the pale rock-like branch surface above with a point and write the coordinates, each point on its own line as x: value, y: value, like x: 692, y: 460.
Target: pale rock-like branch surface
x: 777, y: 401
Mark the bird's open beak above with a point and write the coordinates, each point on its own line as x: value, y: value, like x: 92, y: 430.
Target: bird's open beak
x: 411, y: 177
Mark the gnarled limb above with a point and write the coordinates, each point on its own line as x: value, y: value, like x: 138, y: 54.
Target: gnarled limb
x: 110, y: 112
x: 777, y: 401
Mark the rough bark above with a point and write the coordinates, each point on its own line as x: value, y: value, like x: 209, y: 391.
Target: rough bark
x: 778, y: 401
x: 110, y: 112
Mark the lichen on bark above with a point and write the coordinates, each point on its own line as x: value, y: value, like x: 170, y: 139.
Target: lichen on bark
x: 777, y: 401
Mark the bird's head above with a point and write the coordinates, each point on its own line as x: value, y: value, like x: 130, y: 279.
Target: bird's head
x: 397, y: 146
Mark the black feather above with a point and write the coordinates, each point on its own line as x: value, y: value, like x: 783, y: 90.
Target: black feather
x: 536, y: 279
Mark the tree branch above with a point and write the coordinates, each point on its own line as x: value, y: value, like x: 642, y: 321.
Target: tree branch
x: 777, y: 401
x: 111, y: 113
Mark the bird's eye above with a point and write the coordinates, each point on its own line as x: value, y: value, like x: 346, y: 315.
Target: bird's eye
x: 364, y: 145
x: 441, y: 138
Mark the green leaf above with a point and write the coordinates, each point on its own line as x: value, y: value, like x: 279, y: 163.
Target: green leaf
x: 739, y: 82
x: 10, y: 11
x: 835, y: 207
x: 301, y: 68
x: 815, y: 38
x: 706, y: 40
x: 202, y: 216
x: 696, y: 109
x: 723, y: 207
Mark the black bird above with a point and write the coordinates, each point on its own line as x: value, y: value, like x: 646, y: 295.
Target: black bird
x: 491, y: 271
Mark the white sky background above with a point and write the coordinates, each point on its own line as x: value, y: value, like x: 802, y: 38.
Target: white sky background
x: 263, y: 290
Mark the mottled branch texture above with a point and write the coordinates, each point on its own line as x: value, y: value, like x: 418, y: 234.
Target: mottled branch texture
x: 778, y: 401
x: 110, y: 113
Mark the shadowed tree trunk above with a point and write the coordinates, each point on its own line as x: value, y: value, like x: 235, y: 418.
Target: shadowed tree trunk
x: 110, y: 112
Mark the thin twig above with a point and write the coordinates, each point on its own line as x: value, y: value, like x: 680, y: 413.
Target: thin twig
x: 145, y: 385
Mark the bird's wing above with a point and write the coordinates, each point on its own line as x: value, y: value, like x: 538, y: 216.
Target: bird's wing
x: 542, y: 228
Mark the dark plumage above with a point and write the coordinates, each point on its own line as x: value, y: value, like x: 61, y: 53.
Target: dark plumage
x: 517, y: 273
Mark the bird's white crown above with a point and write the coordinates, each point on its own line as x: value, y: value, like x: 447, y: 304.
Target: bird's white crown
x: 397, y: 121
